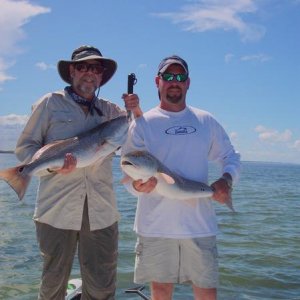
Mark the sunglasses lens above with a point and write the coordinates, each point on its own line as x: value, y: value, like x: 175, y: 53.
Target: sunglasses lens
x: 95, y: 68
x: 178, y: 77
x: 181, y: 77
x: 167, y: 76
x: 81, y: 67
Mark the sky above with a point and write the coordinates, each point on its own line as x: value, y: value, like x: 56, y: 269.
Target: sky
x: 243, y: 56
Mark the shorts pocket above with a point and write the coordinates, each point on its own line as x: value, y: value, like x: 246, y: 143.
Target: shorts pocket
x: 138, y: 248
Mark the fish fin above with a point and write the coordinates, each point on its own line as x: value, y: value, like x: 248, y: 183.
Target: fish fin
x: 167, y: 178
x: 126, y: 179
x: 18, y: 181
x: 38, y: 153
x: 50, y: 149
x: 230, y: 204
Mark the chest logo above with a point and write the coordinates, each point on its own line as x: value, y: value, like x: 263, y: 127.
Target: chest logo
x: 180, y: 130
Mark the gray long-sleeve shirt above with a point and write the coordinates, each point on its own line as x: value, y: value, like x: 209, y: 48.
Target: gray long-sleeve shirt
x: 60, y: 198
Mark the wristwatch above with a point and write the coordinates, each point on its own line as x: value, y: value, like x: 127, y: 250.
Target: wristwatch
x: 228, y: 181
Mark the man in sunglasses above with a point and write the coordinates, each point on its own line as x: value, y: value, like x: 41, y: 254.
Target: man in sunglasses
x: 76, y: 207
x: 177, y: 240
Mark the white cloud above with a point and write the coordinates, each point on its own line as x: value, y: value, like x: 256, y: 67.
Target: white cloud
x: 272, y: 135
x: 233, y: 135
x: 261, y: 58
x: 44, y: 67
x: 297, y: 145
x: 13, y: 16
x: 3, y: 67
x: 229, y: 57
x: 256, y: 57
x: 142, y: 66
x: 273, y: 146
x: 225, y: 15
x: 11, y: 127
x: 13, y: 119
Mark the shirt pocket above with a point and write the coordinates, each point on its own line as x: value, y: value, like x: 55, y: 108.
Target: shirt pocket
x: 61, y: 126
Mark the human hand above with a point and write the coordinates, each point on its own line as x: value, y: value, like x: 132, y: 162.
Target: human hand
x: 145, y: 187
x: 222, y: 192
x: 69, y: 165
x: 132, y: 104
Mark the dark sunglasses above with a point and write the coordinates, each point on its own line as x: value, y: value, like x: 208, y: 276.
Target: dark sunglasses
x: 170, y: 77
x: 84, y: 67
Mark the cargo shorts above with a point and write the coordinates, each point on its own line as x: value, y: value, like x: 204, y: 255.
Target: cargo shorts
x: 167, y: 260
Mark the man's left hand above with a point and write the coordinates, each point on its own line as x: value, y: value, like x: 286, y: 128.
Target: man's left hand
x: 222, y: 191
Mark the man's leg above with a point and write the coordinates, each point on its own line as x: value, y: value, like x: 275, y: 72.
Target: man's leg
x: 98, y: 253
x: 57, y: 248
x: 199, y: 265
x: 204, y: 294
x: 161, y: 291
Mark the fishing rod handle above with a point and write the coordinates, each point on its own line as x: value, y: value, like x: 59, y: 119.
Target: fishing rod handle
x: 131, y: 82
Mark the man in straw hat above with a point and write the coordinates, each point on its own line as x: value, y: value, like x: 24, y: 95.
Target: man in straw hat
x: 76, y: 206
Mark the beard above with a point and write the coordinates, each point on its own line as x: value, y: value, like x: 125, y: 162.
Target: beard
x: 86, y: 87
x: 174, y: 95
x: 87, y: 90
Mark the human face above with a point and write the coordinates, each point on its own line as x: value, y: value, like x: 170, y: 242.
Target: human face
x: 86, y: 81
x: 172, y: 93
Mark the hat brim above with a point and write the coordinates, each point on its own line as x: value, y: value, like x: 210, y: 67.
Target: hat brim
x: 109, y: 64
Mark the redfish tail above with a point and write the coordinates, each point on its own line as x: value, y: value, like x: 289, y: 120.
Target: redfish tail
x: 18, y: 181
x: 230, y: 204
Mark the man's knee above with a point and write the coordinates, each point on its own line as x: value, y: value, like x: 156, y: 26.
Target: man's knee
x: 205, y: 293
x: 161, y: 291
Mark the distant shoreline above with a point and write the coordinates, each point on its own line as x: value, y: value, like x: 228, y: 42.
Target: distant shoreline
x: 118, y: 154
x: 7, y: 151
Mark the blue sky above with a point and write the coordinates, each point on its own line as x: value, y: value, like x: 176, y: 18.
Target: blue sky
x: 243, y: 55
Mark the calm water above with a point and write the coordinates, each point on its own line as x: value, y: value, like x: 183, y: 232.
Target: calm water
x: 259, y: 247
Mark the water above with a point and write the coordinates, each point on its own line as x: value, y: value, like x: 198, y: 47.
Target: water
x: 259, y: 247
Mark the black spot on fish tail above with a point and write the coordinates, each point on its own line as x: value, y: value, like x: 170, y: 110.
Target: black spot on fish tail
x: 21, y: 169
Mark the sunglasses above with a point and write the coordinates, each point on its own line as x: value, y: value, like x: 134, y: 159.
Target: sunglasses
x: 84, y: 67
x: 170, y: 77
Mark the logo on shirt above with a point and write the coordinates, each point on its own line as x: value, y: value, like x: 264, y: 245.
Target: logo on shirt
x: 180, y: 130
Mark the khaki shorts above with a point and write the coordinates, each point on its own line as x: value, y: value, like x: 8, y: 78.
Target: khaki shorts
x: 177, y: 261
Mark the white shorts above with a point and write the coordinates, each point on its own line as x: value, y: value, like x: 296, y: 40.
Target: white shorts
x: 177, y: 261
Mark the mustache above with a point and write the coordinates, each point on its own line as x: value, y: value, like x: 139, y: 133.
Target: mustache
x: 174, y: 87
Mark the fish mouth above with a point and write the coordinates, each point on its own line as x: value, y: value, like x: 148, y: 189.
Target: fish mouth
x: 126, y: 163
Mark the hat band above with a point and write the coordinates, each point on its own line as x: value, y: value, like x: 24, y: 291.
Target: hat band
x: 85, y: 54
